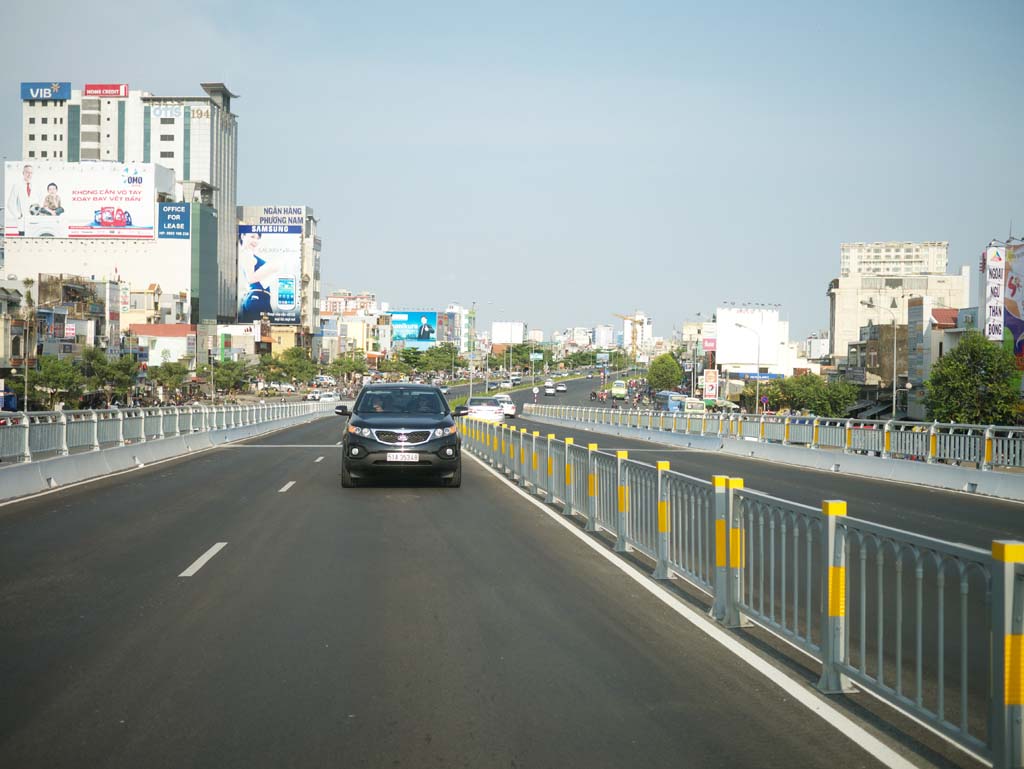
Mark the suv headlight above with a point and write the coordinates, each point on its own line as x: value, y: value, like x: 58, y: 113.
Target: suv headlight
x: 440, y: 432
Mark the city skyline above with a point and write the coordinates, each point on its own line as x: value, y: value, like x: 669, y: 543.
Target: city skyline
x: 572, y: 165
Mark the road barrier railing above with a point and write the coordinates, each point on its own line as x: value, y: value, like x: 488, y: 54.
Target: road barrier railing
x: 987, y: 447
x: 933, y: 628
x: 38, y: 434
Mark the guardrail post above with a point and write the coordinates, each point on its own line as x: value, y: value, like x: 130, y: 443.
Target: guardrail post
x: 737, y: 556
x: 62, y: 450
x: 986, y: 463
x: 567, y: 508
x: 535, y: 471
x: 26, y: 451
x: 833, y: 610
x: 848, y: 436
x: 160, y: 423
x: 664, y: 524
x: 522, y: 456
x: 119, y: 416
x: 814, y: 432
x: 785, y: 431
x: 621, y: 520
x: 887, y: 440
x: 760, y: 428
x: 591, y: 487
x: 933, y: 443
x: 1007, y: 684
x: 719, y: 609
x: 94, y: 444
x: 550, y: 497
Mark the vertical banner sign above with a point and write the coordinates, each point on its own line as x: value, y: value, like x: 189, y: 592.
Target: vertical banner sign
x: 710, y: 383
x: 995, y: 271
x: 269, y: 267
x: 174, y: 221
x: 1012, y: 267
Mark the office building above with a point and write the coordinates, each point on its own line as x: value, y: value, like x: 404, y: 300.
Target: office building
x: 893, y: 258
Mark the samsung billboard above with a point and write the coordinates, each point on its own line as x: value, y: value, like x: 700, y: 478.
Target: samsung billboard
x: 269, y: 269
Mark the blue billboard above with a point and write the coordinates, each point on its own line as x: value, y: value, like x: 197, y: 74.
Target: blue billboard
x: 174, y: 221
x: 45, y: 91
x: 414, y: 329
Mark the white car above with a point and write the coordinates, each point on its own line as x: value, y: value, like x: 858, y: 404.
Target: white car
x: 549, y: 389
x: 329, y: 395
x: 489, y: 409
x: 281, y: 387
x: 507, y: 404
x: 561, y: 388
x: 314, y: 396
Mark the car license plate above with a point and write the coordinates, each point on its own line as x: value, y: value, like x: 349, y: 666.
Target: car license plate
x: 403, y: 457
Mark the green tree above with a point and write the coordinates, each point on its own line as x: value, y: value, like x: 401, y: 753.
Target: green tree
x: 410, y: 358
x: 169, y: 375
x: 115, y: 378
x: 664, y: 373
x: 56, y: 380
x: 344, y: 368
x: 296, y: 364
x: 975, y: 383
x: 269, y: 369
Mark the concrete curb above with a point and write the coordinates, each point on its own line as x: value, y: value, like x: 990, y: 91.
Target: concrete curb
x: 948, y: 477
x: 27, y: 478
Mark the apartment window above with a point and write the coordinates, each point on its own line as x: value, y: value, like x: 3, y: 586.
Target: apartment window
x: 62, y: 153
x: 167, y: 154
x: 43, y: 137
x: 31, y: 153
x: 61, y: 120
x: 31, y: 137
x: 43, y: 120
x: 166, y: 137
x: 42, y: 154
x: 166, y: 121
x: 31, y: 102
x: 31, y: 121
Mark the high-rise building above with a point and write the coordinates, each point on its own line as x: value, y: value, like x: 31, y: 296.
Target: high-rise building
x: 893, y: 258
x: 195, y: 136
x: 508, y: 332
x: 604, y: 337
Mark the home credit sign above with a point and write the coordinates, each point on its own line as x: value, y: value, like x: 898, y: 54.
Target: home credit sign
x: 109, y: 90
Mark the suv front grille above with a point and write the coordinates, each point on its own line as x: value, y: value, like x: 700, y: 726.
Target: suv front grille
x: 411, y: 438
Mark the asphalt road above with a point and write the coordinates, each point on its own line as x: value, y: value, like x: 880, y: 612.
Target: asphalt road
x: 397, y: 625
x: 957, y: 517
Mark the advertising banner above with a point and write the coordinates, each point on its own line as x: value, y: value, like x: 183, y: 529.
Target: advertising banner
x: 711, y: 383
x: 79, y: 200
x: 1013, y: 300
x: 995, y: 277
x: 601, y: 357
x: 269, y: 271
x: 414, y: 329
x: 46, y: 91
x: 709, y: 344
x: 106, y: 90
x: 174, y: 221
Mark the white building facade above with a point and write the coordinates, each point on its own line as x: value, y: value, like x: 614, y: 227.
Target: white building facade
x: 893, y: 258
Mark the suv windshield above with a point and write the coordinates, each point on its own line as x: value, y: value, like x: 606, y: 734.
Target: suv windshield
x: 399, y: 401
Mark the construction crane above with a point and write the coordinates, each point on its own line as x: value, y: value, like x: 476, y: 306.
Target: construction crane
x: 632, y: 327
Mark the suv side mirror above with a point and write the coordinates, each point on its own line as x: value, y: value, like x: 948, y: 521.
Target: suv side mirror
x: 342, y: 410
x: 460, y: 411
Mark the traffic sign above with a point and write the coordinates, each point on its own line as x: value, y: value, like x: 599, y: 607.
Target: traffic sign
x: 536, y: 390
x: 764, y: 399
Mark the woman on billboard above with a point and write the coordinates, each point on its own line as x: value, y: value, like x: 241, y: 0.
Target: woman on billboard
x: 255, y: 277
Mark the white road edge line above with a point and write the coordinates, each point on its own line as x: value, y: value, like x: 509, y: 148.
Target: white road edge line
x: 317, y: 460
x: 285, y: 488
x: 824, y: 710
x: 200, y: 562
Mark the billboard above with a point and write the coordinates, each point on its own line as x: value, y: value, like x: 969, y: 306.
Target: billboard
x: 269, y: 271
x: 108, y: 90
x: 1013, y: 300
x: 79, y: 200
x: 995, y: 279
x: 746, y: 336
x: 174, y: 221
x: 710, y: 383
x: 51, y: 91
x: 415, y: 329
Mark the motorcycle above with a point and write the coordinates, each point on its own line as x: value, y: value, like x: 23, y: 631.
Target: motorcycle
x: 593, y: 395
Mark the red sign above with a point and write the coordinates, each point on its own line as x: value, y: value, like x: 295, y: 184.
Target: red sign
x: 110, y: 90
x: 710, y: 344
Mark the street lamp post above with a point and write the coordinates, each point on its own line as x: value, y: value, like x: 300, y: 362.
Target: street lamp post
x: 757, y: 380
x: 870, y: 303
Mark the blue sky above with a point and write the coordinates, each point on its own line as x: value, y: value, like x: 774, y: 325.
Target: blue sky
x: 559, y: 162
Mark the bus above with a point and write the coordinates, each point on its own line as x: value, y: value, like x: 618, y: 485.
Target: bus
x: 619, y: 390
x: 667, y: 400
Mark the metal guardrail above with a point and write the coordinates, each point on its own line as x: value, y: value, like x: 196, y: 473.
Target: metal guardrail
x: 36, y: 434
x: 933, y: 628
x: 987, y: 447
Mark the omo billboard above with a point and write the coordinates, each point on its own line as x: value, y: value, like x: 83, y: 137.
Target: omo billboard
x: 416, y: 329
x: 79, y: 200
x: 269, y: 272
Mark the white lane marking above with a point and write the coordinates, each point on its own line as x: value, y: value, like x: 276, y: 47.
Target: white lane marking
x: 821, y: 708
x: 200, y: 562
x: 285, y: 488
x: 282, y: 446
x: 318, y: 460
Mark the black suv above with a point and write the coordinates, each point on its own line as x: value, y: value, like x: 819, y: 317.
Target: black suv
x: 401, y: 429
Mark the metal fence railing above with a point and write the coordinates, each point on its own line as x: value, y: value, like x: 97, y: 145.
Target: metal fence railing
x: 987, y: 447
x: 934, y: 628
x: 35, y: 435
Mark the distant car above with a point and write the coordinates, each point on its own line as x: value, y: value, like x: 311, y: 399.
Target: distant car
x: 283, y: 387
x: 401, y: 429
x: 507, y: 405
x: 506, y: 384
x: 492, y: 385
x: 489, y: 409
x: 443, y: 389
x: 549, y: 383
x: 329, y: 395
x: 313, y: 396
x: 560, y: 387
x: 549, y: 390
